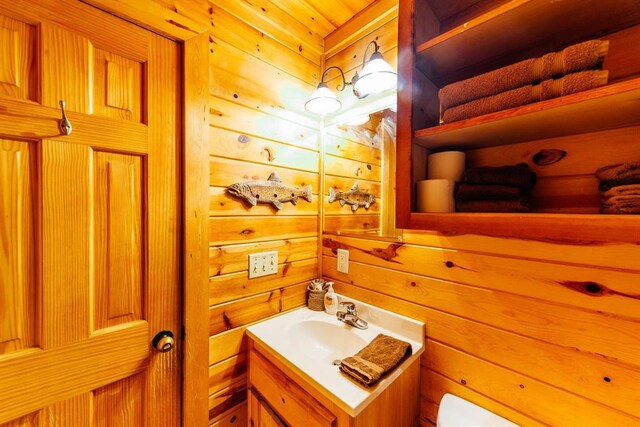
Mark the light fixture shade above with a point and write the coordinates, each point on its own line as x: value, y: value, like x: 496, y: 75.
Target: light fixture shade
x: 376, y: 76
x: 322, y: 101
x: 357, y: 120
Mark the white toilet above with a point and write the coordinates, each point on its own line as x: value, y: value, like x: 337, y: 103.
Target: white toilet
x: 457, y: 412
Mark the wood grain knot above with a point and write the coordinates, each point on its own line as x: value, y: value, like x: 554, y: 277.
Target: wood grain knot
x: 463, y: 382
x: 607, y: 379
x: 243, y: 139
x: 449, y: 264
x: 548, y: 157
x: 593, y: 288
x: 271, y: 153
x: 589, y: 288
x: 414, y: 284
x: 247, y: 231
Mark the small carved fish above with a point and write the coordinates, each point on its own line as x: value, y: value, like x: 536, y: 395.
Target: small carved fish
x: 270, y: 191
x: 353, y: 197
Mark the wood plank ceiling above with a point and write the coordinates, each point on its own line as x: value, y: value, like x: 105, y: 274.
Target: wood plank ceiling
x: 321, y: 16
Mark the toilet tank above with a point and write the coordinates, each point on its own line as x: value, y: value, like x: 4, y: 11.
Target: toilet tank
x: 457, y: 412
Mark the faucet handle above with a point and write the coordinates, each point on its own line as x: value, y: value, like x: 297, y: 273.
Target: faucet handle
x: 351, y: 307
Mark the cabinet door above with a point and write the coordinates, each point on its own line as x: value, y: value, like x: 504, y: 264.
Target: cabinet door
x: 261, y: 414
x: 89, y: 221
x: 293, y: 403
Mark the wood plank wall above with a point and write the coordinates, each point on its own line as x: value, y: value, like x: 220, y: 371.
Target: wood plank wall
x: 542, y: 333
x: 263, y: 65
x: 539, y: 332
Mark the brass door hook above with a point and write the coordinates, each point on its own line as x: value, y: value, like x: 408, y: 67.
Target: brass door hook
x: 65, y: 124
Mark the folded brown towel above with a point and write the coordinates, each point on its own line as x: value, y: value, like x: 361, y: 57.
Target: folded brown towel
x: 619, y: 171
x: 607, y: 185
x: 514, y: 176
x: 519, y: 205
x: 623, y: 190
x: 378, y: 357
x: 621, y: 205
x: 548, y: 89
x: 582, y: 56
x: 619, y: 174
x: 487, y: 192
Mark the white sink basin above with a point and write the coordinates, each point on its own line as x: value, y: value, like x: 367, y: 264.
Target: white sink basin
x: 325, y: 341
x: 309, y: 341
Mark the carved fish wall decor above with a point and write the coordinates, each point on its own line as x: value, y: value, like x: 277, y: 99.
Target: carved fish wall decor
x: 271, y: 191
x: 353, y: 197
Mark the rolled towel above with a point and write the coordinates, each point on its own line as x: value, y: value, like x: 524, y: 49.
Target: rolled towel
x: 514, y: 176
x: 519, y: 205
x: 579, y: 57
x: 487, y: 192
x: 377, y: 358
x: 623, y: 190
x: 548, y: 89
x: 621, y: 205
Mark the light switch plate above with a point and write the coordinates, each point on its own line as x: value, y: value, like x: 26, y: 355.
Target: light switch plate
x: 343, y: 260
x: 263, y: 264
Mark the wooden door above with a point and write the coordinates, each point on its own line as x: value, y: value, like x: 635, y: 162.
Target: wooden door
x: 89, y: 222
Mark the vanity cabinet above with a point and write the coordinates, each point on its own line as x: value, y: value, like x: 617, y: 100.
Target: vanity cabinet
x: 280, y: 396
x: 563, y: 140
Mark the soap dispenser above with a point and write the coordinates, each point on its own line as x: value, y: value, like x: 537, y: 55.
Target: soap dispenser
x: 330, y: 300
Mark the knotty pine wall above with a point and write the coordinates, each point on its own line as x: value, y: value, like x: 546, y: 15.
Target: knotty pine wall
x: 263, y: 67
x: 542, y: 333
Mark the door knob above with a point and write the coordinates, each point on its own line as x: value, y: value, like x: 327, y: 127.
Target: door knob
x: 163, y: 341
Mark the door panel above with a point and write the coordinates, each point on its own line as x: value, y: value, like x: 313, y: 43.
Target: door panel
x: 118, y: 223
x: 17, y: 66
x: 89, y: 222
x: 17, y: 249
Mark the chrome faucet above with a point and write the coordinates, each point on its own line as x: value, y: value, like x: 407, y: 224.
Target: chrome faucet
x: 350, y: 317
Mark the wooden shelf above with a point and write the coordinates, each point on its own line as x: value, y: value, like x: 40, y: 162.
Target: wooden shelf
x: 575, y: 228
x: 608, y: 107
x: 519, y: 29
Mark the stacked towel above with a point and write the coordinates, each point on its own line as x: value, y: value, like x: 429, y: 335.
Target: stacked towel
x: 620, y: 186
x: 496, y: 189
x: 548, y: 89
x: 535, y: 77
x: 377, y: 358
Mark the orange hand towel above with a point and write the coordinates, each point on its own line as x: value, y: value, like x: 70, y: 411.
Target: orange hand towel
x: 377, y: 358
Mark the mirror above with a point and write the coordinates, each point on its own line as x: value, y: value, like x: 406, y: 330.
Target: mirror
x: 358, y: 176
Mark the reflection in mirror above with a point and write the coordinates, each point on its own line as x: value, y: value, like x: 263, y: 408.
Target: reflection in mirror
x: 359, y: 173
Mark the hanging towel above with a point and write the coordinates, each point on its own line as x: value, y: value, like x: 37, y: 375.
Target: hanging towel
x: 515, y: 176
x: 377, y: 358
x: 548, y: 89
x: 487, y: 192
x: 588, y: 55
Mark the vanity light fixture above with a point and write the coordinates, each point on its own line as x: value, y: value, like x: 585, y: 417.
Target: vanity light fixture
x: 376, y: 76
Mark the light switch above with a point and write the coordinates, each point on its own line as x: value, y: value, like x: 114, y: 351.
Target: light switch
x: 263, y: 264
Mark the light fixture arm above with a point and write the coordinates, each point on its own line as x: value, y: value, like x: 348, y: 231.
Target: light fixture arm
x: 344, y: 81
x: 364, y: 57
